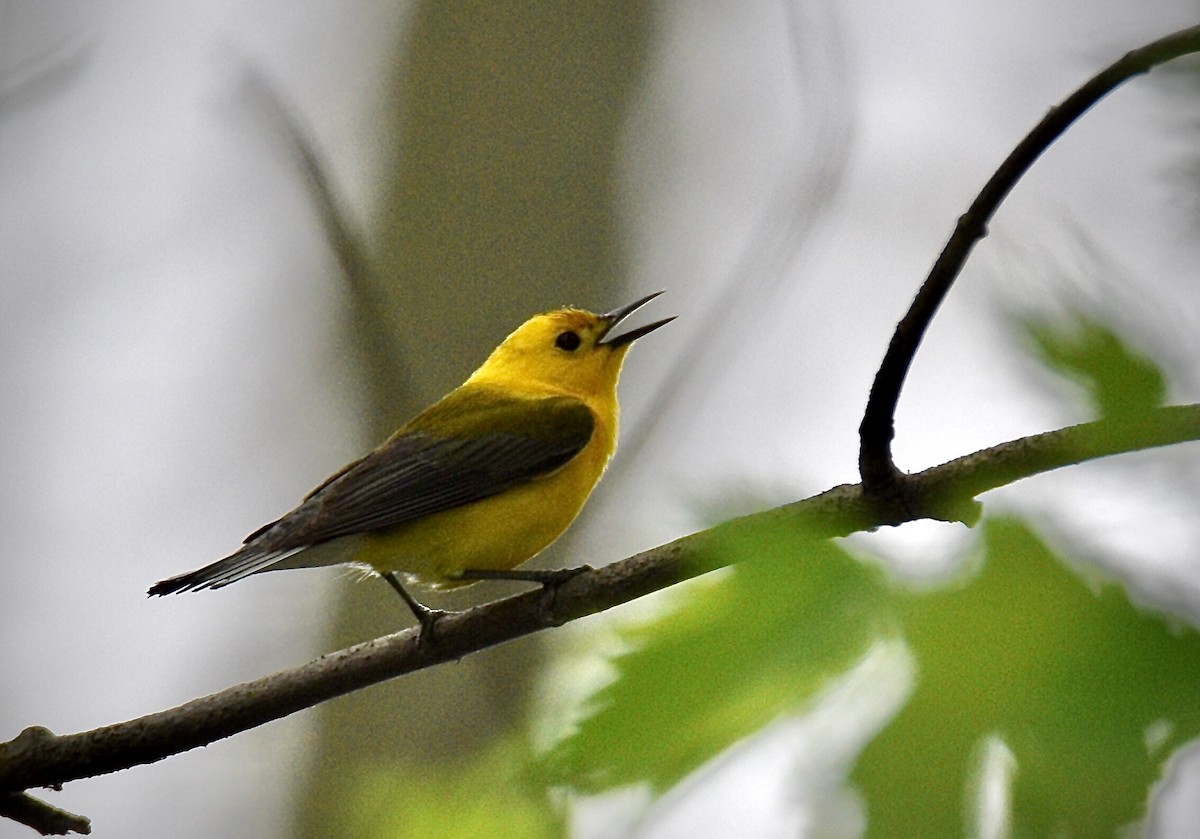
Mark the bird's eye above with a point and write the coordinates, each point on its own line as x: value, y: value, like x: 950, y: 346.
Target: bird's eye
x: 568, y: 341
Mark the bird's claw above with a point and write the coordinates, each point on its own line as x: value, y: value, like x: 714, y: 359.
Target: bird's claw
x: 427, y: 618
x: 546, y: 578
x: 549, y: 579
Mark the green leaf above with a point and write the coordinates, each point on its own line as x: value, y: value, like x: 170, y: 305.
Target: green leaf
x: 1088, y: 693
x: 735, y: 654
x: 1119, y: 380
x: 1072, y: 677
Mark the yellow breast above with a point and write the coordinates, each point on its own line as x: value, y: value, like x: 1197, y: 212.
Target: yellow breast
x: 498, y: 533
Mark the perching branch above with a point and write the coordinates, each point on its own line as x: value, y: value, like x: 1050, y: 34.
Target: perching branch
x: 39, y: 758
x: 875, y: 464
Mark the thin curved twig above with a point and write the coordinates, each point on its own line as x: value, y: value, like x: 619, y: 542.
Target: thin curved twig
x: 878, y: 472
x: 345, y: 240
x: 39, y: 758
x: 47, y: 73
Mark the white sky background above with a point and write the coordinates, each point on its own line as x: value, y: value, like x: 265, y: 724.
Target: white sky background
x: 170, y: 382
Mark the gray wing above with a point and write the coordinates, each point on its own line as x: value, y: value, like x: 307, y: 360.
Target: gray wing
x: 415, y: 474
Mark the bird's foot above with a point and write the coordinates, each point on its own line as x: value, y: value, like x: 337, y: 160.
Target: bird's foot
x: 426, y: 617
x: 549, y: 579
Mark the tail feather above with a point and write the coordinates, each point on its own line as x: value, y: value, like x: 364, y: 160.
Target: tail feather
x: 243, y: 563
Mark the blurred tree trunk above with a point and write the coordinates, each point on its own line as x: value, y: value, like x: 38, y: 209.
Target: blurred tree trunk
x: 500, y: 204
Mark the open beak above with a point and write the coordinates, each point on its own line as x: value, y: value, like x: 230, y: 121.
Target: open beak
x: 611, y: 319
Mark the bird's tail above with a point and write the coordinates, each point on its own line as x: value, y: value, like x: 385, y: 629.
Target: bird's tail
x: 249, y: 560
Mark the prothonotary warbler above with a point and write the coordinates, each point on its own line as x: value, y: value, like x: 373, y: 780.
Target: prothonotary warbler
x: 473, y: 486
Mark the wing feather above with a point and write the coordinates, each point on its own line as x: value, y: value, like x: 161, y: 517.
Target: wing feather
x: 473, y: 444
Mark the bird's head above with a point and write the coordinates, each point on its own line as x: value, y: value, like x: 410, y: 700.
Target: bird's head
x: 565, y: 351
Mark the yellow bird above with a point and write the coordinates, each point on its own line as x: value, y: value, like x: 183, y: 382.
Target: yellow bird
x: 473, y: 486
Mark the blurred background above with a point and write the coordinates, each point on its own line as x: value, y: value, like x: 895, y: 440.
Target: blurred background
x: 241, y: 242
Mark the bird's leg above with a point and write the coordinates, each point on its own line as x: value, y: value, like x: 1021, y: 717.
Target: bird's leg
x: 550, y: 581
x: 550, y: 578
x: 425, y: 616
